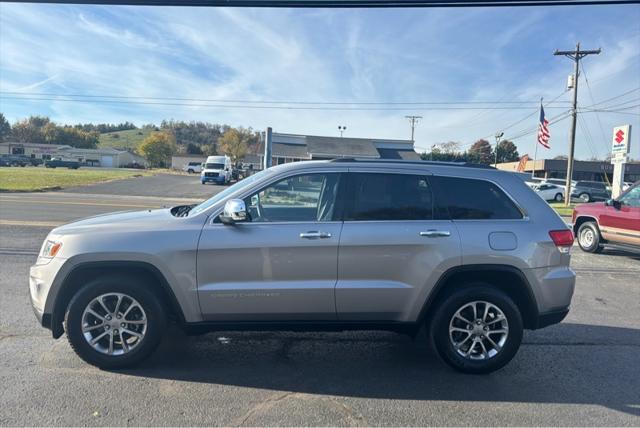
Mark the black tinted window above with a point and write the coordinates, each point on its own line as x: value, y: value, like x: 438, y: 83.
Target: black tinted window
x: 468, y: 199
x: 390, y: 197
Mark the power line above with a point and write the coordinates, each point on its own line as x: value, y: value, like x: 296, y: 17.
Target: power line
x: 264, y: 107
x: 604, y: 138
x: 615, y: 97
x: 202, y: 100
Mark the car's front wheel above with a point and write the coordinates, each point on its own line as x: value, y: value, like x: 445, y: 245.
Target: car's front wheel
x: 114, y: 322
x: 477, y: 329
x: 589, y: 237
x: 558, y: 197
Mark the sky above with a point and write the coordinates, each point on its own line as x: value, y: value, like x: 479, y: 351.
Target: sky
x: 374, y: 64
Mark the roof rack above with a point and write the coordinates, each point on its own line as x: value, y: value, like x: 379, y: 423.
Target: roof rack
x: 415, y: 162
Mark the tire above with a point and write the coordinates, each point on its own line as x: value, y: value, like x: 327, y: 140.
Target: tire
x: 589, y: 237
x: 477, y: 361
x: 558, y: 197
x: 149, y: 308
x: 585, y: 197
x: 190, y: 171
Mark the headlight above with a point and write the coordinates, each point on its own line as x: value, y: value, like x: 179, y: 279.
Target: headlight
x: 50, y: 249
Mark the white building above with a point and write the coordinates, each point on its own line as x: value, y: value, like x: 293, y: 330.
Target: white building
x: 107, y: 158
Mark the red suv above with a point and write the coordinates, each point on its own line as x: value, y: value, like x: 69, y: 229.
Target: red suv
x: 614, y: 223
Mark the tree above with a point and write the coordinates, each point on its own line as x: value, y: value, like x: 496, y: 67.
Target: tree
x: 5, y: 128
x: 233, y: 144
x: 481, y: 152
x: 157, y: 148
x: 193, y: 149
x: 507, y: 152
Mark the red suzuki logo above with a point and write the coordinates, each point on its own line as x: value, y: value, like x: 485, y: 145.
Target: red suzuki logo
x: 620, y: 136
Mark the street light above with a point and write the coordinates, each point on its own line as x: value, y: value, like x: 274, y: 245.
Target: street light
x: 499, y: 135
x: 341, y: 129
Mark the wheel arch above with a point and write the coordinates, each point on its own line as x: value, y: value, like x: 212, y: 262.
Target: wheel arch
x: 146, y: 272
x: 581, y: 219
x: 508, y: 279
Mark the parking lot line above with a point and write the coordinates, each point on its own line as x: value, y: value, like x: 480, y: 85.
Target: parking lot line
x: 30, y: 223
x: 59, y: 202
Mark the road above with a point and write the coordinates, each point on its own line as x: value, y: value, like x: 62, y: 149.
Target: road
x: 584, y: 371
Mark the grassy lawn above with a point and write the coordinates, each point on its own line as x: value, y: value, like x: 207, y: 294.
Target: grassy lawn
x: 123, y: 140
x: 561, y: 209
x: 32, y: 179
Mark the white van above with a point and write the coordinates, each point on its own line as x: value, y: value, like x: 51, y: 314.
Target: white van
x: 217, y: 169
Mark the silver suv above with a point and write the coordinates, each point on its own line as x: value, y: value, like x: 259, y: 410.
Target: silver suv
x: 469, y: 252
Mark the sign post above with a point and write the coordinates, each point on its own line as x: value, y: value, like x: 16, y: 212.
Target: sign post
x: 619, y: 151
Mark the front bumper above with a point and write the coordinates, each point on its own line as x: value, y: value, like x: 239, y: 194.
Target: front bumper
x: 217, y: 180
x: 41, y: 278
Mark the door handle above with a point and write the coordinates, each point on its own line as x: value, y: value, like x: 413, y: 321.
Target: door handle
x: 435, y: 233
x: 315, y: 235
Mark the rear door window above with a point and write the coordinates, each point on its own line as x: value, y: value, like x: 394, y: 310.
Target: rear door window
x: 470, y: 199
x: 377, y: 196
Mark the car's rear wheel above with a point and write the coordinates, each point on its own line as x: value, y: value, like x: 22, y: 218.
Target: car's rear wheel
x: 558, y: 197
x: 114, y: 322
x: 589, y: 237
x: 585, y: 197
x: 477, y: 329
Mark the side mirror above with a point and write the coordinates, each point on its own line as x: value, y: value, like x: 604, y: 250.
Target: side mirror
x: 234, y: 211
x: 613, y: 203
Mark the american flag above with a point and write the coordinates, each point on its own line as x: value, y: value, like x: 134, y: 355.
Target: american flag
x: 543, y: 130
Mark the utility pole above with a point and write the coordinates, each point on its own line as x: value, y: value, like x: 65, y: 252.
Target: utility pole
x: 498, y: 136
x: 414, y: 121
x: 575, y: 56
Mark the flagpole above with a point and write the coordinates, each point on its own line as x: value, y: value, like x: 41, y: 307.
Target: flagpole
x: 535, y: 151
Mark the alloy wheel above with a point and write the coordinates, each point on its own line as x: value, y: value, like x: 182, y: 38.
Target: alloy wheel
x: 114, y: 323
x: 478, y: 330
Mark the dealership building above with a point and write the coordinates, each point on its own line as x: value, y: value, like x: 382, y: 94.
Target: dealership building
x: 582, y: 170
x: 107, y: 158
x: 287, y: 148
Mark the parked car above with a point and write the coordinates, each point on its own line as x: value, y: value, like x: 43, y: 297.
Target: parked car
x: 550, y: 192
x: 60, y: 163
x: 589, y: 191
x: 469, y: 252
x: 193, y: 167
x: 4, y: 162
x: 134, y: 165
x: 16, y: 160
x: 614, y: 223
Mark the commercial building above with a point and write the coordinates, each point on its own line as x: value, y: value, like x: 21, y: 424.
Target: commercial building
x: 180, y: 161
x: 582, y: 170
x: 287, y: 148
x: 107, y: 158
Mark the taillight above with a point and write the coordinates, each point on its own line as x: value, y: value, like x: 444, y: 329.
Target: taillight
x: 563, y: 239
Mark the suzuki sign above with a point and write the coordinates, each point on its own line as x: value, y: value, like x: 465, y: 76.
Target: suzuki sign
x: 619, y: 151
x: 620, y: 143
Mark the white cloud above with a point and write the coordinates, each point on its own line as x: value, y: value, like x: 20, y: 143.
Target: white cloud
x: 315, y: 55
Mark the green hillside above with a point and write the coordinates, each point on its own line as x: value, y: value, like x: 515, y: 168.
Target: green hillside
x: 125, y: 140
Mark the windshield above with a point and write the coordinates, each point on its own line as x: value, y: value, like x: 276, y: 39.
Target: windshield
x: 228, y: 191
x: 214, y: 166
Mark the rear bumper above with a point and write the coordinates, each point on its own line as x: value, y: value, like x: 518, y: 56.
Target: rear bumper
x: 549, y: 318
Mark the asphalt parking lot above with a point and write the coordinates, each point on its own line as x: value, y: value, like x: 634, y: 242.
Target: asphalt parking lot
x: 584, y: 371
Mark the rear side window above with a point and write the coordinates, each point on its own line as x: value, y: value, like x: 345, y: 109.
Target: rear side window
x: 469, y: 199
x: 389, y: 197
